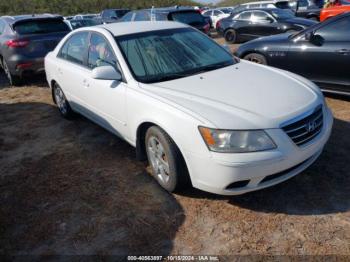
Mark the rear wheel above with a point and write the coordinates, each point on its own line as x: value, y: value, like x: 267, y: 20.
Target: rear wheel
x: 256, y: 58
x: 14, y: 80
x: 167, y: 165
x: 62, y: 103
x: 230, y: 36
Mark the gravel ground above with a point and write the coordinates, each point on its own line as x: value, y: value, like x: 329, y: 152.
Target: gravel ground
x: 70, y: 187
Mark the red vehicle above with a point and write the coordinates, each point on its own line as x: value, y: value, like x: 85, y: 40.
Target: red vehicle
x: 334, y: 10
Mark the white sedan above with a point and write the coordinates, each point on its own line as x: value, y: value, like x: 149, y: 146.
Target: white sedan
x: 199, y: 115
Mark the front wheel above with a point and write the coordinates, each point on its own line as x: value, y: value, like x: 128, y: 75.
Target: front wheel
x: 167, y: 165
x: 62, y: 103
x: 256, y: 58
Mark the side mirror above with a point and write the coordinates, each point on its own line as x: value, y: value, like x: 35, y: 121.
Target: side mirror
x: 106, y: 73
x: 316, y: 40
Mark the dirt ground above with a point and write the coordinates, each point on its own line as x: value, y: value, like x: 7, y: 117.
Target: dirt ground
x: 70, y: 187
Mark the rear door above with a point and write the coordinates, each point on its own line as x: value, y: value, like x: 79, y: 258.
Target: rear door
x: 263, y: 24
x: 71, y: 70
x: 243, y: 24
x: 328, y: 61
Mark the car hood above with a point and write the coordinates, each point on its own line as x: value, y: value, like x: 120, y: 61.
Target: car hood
x: 242, y: 96
x: 301, y: 21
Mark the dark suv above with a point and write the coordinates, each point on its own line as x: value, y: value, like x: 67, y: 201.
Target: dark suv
x: 184, y: 15
x: 24, y: 42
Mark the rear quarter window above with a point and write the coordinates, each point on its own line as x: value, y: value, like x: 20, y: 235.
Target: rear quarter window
x: 40, y: 27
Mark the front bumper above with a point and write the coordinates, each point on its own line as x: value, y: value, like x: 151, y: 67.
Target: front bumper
x: 234, y: 174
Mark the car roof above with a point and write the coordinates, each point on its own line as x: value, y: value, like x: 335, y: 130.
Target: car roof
x: 170, y: 9
x: 126, y: 28
x: 260, y: 9
x: 17, y: 18
x: 265, y: 2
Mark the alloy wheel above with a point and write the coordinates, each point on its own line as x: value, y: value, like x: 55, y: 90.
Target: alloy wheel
x: 61, y: 100
x: 158, y: 159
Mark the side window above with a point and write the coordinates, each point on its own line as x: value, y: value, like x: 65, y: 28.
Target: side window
x: 337, y: 31
x: 127, y: 17
x: 142, y: 16
x: 244, y: 16
x: 217, y: 13
x: 303, y: 3
x: 259, y: 16
x: 207, y: 13
x: 100, y: 52
x: 74, y: 49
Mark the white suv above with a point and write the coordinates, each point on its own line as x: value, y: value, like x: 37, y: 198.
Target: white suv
x: 198, y: 114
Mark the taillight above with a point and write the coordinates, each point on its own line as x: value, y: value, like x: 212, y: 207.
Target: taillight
x: 218, y: 24
x: 17, y: 43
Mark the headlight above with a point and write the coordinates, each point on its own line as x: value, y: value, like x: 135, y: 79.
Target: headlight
x: 236, y: 141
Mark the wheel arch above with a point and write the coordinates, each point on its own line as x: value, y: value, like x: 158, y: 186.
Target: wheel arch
x: 141, y: 154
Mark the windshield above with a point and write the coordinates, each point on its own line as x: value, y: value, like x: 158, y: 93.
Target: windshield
x: 282, y: 14
x: 190, y: 18
x: 169, y: 54
x: 40, y: 26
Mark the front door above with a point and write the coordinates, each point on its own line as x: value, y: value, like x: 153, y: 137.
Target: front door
x: 327, y: 59
x: 105, y: 98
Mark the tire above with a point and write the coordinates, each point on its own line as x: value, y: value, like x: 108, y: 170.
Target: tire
x: 256, y: 58
x: 62, y: 103
x: 165, y: 159
x: 14, y: 80
x: 230, y: 36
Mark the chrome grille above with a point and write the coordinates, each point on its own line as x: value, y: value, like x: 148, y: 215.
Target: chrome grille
x: 306, y: 129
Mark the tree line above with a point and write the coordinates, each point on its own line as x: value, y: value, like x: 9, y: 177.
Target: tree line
x: 69, y: 7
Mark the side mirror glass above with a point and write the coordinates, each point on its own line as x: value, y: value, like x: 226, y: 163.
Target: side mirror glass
x: 316, y: 40
x: 107, y: 72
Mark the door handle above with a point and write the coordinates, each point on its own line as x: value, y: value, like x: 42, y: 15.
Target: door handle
x: 85, y: 83
x: 343, y: 51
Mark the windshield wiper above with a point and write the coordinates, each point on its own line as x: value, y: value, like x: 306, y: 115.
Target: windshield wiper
x: 167, y: 77
x: 213, y: 67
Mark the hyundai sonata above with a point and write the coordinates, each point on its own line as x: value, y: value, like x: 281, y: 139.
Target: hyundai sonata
x: 197, y: 114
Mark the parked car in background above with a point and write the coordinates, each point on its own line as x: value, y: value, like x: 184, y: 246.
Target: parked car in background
x: 184, y: 15
x: 78, y: 23
x: 320, y: 53
x: 334, y: 11
x: 24, y: 42
x: 85, y: 16
x: 236, y: 135
x: 216, y: 15
x: 254, y: 23
x: 112, y: 15
x: 302, y: 8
